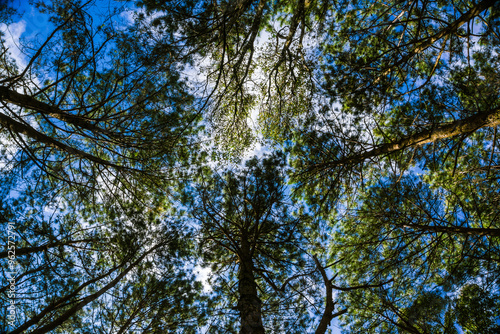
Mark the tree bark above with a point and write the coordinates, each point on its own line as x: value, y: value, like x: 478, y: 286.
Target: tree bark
x: 466, y: 17
x: 249, y: 303
x: 29, y: 102
x: 328, y: 314
x: 451, y: 28
x: 20, y: 128
x: 490, y: 118
x: 29, y: 250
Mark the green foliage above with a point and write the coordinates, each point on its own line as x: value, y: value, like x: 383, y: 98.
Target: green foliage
x: 99, y: 105
x: 477, y: 310
x: 126, y: 265
x: 388, y: 113
x: 249, y: 207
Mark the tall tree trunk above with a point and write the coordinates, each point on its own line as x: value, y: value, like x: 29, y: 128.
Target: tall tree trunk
x: 328, y: 314
x: 27, y: 130
x: 25, y: 101
x: 249, y: 303
x: 490, y: 118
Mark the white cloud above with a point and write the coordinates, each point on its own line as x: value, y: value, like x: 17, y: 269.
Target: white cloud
x: 203, y: 275
x: 12, y: 35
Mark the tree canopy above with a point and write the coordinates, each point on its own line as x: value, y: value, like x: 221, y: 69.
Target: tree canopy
x: 126, y: 129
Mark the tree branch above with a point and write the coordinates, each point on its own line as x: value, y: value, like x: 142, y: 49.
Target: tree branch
x: 490, y: 118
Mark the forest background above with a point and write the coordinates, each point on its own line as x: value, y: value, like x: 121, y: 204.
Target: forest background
x: 130, y: 202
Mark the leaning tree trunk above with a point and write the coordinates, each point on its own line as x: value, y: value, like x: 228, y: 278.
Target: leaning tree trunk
x: 489, y: 118
x: 249, y: 303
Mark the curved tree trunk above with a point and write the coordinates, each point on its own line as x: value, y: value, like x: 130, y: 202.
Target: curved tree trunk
x: 490, y: 118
